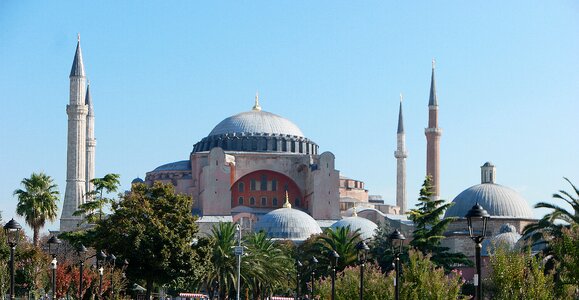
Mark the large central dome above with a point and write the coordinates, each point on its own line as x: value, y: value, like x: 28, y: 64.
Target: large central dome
x: 257, y: 121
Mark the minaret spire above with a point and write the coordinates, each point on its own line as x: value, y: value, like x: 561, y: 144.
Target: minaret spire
x: 256, y: 105
x: 401, y: 154
x: 90, y: 140
x: 77, y: 111
x: 433, y: 133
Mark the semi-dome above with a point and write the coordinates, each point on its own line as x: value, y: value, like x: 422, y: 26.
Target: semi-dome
x: 288, y: 224
x: 257, y: 131
x: 497, y: 200
x: 367, y: 228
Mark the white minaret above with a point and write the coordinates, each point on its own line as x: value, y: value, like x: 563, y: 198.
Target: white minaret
x: 77, y: 112
x: 90, y: 141
x: 401, y: 155
x: 487, y: 173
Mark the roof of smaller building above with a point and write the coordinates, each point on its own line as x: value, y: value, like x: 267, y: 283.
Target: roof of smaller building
x: 367, y: 228
x: 288, y: 224
x: 137, y: 180
x: 183, y: 165
x: 507, y: 237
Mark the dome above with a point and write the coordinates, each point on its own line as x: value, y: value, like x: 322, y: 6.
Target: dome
x: 257, y: 121
x: 507, y: 237
x: 137, y: 180
x: 367, y: 228
x: 288, y: 224
x: 497, y: 200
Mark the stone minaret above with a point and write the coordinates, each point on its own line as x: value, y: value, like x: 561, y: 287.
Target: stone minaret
x: 433, y: 133
x: 401, y: 155
x: 77, y: 111
x: 90, y: 141
x: 487, y: 173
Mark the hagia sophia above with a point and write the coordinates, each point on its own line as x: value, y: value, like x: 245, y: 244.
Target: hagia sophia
x: 259, y: 169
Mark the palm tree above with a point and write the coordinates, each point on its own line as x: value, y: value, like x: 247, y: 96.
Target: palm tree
x: 552, y: 224
x: 342, y: 240
x: 37, y: 202
x: 93, y: 208
x: 222, y: 274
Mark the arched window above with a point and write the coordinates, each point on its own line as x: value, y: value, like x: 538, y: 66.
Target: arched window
x: 263, y: 183
x: 274, y: 202
x: 253, y: 184
x: 240, y: 201
x: 251, y: 201
x: 241, y: 187
x: 263, y: 201
x: 274, y: 185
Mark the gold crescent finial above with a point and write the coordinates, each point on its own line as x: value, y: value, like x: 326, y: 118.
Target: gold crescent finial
x: 401, y: 97
x: 287, y: 204
x: 354, y: 213
x: 256, y: 105
x: 433, y: 63
x: 78, y: 37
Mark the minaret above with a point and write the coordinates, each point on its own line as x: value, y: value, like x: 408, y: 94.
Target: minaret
x: 401, y: 155
x: 487, y: 173
x: 433, y: 133
x: 90, y: 141
x: 77, y: 112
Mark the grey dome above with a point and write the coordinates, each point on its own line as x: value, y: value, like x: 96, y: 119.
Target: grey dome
x: 256, y: 121
x: 137, y: 180
x: 288, y: 224
x: 367, y: 227
x: 497, y: 200
x: 507, y: 237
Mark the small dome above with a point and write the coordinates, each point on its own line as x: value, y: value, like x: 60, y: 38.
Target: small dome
x: 137, y: 180
x: 257, y: 121
x: 367, y: 227
x: 497, y: 200
x: 507, y: 237
x: 288, y: 224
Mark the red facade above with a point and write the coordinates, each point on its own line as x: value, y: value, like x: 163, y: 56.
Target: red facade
x: 266, y: 189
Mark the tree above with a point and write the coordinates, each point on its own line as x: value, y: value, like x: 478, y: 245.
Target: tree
x: 377, y: 286
x: 565, y: 249
x: 37, y: 202
x: 153, y: 228
x: 430, y: 227
x: 343, y: 241
x: 92, y: 209
x: 381, y: 247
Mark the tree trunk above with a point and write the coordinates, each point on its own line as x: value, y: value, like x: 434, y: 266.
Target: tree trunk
x: 35, y: 236
x: 149, y: 288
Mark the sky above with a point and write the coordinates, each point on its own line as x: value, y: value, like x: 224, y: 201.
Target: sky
x: 164, y: 73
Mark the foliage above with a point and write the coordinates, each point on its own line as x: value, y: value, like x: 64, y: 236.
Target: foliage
x: 515, y: 275
x: 30, y: 269
x: 423, y: 280
x: 92, y: 209
x: 381, y: 247
x: 430, y: 227
x: 153, y: 228
x: 566, y: 252
x: 377, y: 286
x: 343, y: 241
x: 37, y: 202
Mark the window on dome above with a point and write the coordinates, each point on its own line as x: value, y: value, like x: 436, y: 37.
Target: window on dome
x: 263, y: 201
x: 263, y: 185
x: 251, y: 201
x: 293, y: 146
x: 253, y: 184
x: 274, y: 185
x: 274, y: 202
x: 241, y: 187
x: 240, y: 201
x: 283, y: 145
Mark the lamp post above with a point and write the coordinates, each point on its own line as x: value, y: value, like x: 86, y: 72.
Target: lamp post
x: 396, y: 236
x: 298, y: 268
x: 313, y: 264
x: 112, y: 259
x: 362, y: 248
x: 334, y: 261
x: 239, y: 252
x: 12, y: 231
x: 101, y: 257
x: 81, y: 252
x: 477, y: 218
x: 53, y: 244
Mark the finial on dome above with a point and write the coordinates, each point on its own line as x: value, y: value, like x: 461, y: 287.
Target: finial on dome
x: 287, y: 204
x: 354, y: 212
x: 256, y: 105
x: 433, y: 63
x: 78, y: 37
x: 401, y: 97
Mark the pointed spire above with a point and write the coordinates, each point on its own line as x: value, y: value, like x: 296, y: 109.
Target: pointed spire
x: 400, y: 120
x: 77, y: 65
x: 256, y: 105
x: 287, y: 204
x: 87, y: 98
x: 433, y: 101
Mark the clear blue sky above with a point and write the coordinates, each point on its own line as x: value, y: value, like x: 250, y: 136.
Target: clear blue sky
x: 164, y: 73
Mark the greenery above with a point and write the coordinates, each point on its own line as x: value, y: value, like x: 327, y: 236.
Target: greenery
x: 377, y: 286
x: 37, y: 202
x: 430, y: 227
x: 566, y: 251
x: 92, y: 209
x: 381, y: 247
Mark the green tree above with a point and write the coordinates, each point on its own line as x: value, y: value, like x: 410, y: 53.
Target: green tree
x: 92, y: 209
x: 343, y: 241
x: 565, y: 249
x: 377, y: 286
x: 430, y: 227
x: 221, y: 275
x: 515, y: 275
x: 153, y: 228
x: 37, y: 202
x: 381, y: 247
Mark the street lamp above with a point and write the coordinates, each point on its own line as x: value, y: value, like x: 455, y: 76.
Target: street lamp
x: 396, y: 236
x: 362, y: 249
x: 299, y: 265
x: 101, y: 257
x: 12, y: 231
x: 53, y: 244
x: 314, y: 262
x: 81, y: 253
x: 124, y: 269
x: 239, y: 252
x: 477, y: 218
x: 334, y: 261
x: 112, y: 259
